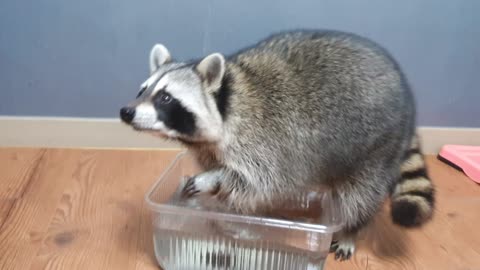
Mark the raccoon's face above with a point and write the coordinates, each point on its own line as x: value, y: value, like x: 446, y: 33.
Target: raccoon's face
x: 178, y: 100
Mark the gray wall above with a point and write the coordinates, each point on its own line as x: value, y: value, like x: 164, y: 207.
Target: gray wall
x: 86, y: 58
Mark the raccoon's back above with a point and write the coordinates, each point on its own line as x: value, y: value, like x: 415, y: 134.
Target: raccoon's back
x: 326, y: 56
x: 324, y: 78
x: 336, y: 93
x: 323, y: 64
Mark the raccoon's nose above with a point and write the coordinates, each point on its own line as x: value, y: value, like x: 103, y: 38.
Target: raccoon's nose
x: 127, y: 114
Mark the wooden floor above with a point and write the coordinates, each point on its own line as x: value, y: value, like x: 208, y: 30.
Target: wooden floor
x: 84, y: 209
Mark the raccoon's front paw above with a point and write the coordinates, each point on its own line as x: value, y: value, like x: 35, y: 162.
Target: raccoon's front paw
x: 189, y: 188
x: 343, y: 248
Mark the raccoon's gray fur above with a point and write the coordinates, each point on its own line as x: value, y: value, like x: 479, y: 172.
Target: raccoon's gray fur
x: 299, y: 108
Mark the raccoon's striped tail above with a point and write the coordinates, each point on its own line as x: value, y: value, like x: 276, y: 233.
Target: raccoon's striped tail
x: 413, y: 195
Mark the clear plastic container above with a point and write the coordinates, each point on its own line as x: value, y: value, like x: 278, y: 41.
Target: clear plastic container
x: 187, y: 238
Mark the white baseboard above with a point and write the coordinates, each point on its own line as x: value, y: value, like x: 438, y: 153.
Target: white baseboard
x: 433, y: 138
x: 111, y: 133
x: 74, y: 132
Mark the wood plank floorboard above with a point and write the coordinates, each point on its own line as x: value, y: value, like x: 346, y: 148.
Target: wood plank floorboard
x: 84, y: 209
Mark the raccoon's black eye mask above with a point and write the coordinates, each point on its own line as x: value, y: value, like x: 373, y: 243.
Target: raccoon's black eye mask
x: 171, y: 112
x: 162, y: 98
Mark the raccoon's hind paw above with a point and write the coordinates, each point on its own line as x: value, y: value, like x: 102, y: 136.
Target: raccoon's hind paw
x: 333, y: 246
x: 343, y: 249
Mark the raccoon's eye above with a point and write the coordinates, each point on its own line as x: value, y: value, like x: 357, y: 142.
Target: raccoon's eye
x: 164, y: 98
x: 141, y: 92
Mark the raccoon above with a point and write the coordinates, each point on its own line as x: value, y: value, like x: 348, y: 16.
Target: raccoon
x: 299, y: 108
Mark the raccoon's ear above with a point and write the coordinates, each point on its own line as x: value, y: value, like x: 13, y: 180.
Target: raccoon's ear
x: 211, y: 70
x: 159, y: 55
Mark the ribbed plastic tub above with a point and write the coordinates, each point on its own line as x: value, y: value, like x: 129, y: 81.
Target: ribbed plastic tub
x: 188, y: 239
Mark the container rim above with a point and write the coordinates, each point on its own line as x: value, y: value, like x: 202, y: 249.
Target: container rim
x: 269, y: 222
